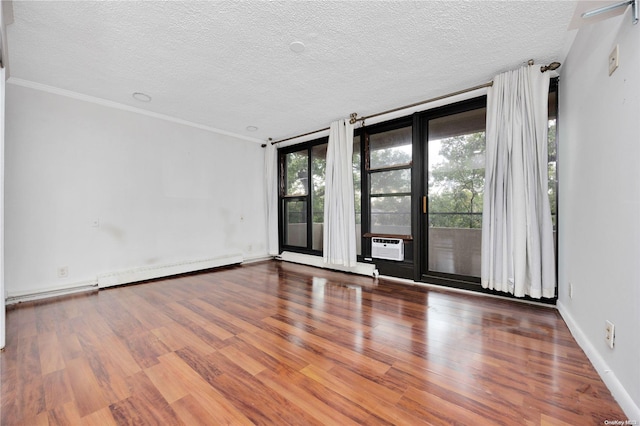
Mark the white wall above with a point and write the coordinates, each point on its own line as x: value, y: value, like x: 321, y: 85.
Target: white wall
x: 162, y: 192
x: 599, y: 195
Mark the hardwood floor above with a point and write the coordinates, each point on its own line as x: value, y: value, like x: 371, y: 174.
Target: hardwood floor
x: 277, y: 343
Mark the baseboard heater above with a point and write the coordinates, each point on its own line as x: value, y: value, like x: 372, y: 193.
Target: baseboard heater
x: 160, y: 271
x: 27, y: 296
x: 317, y: 261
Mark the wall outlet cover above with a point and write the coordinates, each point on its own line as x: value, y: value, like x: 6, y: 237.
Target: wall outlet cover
x: 610, y: 334
x: 63, y: 272
x: 614, y: 59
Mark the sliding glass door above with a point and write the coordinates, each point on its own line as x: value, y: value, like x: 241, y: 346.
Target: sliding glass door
x: 452, y: 142
x: 454, y: 181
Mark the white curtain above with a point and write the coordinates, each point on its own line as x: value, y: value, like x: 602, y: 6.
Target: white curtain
x: 271, y: 179
x: 517, y: 232
x: 339, y: 235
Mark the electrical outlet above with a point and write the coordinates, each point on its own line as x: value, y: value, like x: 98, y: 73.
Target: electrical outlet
x: 614, y: 59
x: 63, y: 272
x: 570, y: 291
x: 610, y: 333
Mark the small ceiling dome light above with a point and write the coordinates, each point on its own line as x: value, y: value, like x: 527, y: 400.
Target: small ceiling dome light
x: 297, y: 46
x: 142, y: 97
x: 251, y: 128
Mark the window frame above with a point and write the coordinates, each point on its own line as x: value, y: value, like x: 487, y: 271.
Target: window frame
x: 462, y: 281
x: 283, y: 198
x: 365, y: 133
x: 411, y: 267
x: 421, y: 272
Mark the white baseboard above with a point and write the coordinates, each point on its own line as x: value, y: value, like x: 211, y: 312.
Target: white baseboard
x: 622, y: 397
x: 26, y: 296
x: 159, y: 271
x: 367, y: 269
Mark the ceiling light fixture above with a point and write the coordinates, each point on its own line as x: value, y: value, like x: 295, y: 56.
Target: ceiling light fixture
x: 142, y: 97
x: 251, y: 128
x: 297, y: 46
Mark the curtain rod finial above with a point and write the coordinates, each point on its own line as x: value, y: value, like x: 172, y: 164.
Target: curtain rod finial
x: 353, y: 117
x: 552, y: 66
x: 530, y: 62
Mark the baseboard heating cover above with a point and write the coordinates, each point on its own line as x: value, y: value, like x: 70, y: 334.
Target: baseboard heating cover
x: 159, y: 271
x: 317, y: 261
x: 78, y: 287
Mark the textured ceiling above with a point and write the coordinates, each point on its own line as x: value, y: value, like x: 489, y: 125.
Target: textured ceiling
x: 228, y: 65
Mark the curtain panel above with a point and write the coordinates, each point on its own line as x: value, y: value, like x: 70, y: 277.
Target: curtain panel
x: 339, y: 232
x: 271, y: 178
x: 517, y: 231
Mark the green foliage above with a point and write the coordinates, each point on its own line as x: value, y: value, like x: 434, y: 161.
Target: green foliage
x: 456, y: 183
x: 296, y: 164
x: 296, y: 173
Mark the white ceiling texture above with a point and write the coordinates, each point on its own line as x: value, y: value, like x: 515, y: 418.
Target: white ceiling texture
x: 229, y: 65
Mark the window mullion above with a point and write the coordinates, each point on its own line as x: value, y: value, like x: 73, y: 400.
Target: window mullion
x: 309, y: 200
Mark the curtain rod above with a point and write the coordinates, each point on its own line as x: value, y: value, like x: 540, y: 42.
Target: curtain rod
x: 354, y: 116
x: 634, y: 12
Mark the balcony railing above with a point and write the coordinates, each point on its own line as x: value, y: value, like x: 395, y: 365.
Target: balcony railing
x: 454, y: 248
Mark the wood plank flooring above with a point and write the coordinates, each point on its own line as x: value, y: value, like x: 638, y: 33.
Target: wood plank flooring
x: 277, y: 343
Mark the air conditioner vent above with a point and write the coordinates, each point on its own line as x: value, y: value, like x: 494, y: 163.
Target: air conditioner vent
x: 387, y: 248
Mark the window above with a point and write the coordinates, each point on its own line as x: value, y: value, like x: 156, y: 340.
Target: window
x: 302, y: 197
x: 389, y: 171
x: 553, y: 149
x: 296, y: 167
x: 357, y: 191
x: 318, y: 166
x: 419, y: 178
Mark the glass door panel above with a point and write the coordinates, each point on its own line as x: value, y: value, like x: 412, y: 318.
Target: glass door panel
x: 455, y: 181
x: 295, y: 231
x: 318, y: 167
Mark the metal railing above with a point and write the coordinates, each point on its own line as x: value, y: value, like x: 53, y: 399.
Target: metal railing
x: 455, y: 220
x: 436, y: 219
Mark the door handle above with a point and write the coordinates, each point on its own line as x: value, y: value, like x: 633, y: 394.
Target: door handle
x: 424, y: 204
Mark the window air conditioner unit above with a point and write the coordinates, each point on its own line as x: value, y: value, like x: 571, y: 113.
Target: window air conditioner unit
x: 387, y: 248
